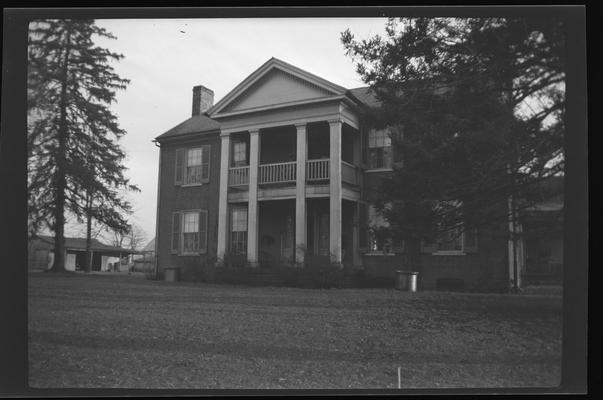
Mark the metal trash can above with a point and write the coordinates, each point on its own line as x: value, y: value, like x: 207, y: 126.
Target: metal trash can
x: 171, y: 274
x: 406, y: 280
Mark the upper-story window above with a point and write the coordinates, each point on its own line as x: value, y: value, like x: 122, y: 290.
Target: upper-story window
x: 192, y: 165
x: 239, y: 154
x: 379, y: 149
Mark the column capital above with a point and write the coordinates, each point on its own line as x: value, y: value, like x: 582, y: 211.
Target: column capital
x: 300, y: 125
x: 253, y: 132
x: 224, y: 134
x: 335, y: 121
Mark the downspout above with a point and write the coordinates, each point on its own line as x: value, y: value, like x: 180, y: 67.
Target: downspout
x: 157, y: 213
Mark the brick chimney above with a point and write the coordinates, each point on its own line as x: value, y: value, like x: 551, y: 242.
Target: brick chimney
x: 203, y: 99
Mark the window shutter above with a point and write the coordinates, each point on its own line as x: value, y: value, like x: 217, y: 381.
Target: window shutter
x: 398, y: 246
x: 428, y: 247
x: 176, y: 232
x: 179, y: 166
x: 205, y: 155
x: 363, y: 229
x: 203, y: 231
x: 470, y: 241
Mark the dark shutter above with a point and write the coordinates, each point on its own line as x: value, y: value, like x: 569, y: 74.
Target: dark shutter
x: 428, y: 247
x: 205, y: 155
x: 398, y: 246
x: 363, y: 226
x: 470, y: 241
x: 176, y: 232
x: 179, y: 166
x: 203, y: 231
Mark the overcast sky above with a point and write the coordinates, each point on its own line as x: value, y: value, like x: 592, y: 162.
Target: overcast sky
x: 165, y: 58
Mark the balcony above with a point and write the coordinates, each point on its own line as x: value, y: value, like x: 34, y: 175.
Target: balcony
x: 350, y: 173
x: 277, y: 172
x: 286, y: 172
x: 238, y: 176
x: 317, y: 170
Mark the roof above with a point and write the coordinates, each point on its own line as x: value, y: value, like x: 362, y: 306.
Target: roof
x: 272, y: 64
x: 553, y: 205
x: 203, y: 124
x: 366, y: 96
x: 80, y: 244
x: 150, y: 246
x: 195, y: 124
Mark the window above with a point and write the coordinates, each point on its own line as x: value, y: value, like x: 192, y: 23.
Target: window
x: 378, y: 241
x: 238, y: 231
x: 192, y: 165
x: 189, y: 232
x: 452, y: 242
x: 379, y: 149
x: 239, y: 154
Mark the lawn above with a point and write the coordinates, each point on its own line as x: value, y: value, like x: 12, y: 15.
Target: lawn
x: 128, y: 332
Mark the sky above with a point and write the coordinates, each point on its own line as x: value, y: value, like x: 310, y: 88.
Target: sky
x: 165, y: 58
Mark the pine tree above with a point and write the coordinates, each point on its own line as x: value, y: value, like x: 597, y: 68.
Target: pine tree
x: 75, y: 162
x: 476, y: 111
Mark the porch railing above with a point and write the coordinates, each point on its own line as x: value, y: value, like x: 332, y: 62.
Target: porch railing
x: 277, y: 172
x: 317, y: 170
x: 238, y: 176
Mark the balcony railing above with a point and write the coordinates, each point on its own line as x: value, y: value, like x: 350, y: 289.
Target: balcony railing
x: 238, y: 176
x: 277, y: 172
x: 317, y: 170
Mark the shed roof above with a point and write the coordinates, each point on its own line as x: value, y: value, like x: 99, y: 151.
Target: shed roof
x: 365, y: 95
x: 200, y: 124
x: 80, y: 244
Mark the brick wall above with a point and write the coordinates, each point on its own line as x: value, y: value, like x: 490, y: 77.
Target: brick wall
x: 175, y: 198
x: 485, y: 270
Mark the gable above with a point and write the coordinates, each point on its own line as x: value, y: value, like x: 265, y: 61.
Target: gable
x: 276, y: 87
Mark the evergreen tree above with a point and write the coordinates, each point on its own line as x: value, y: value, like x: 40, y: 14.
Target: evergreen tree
x: 75, y: 162
x: 475, y: 106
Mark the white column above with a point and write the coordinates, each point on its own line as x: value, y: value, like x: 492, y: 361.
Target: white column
x: 300, y: 195
x: 335, y: 127
x: 252, y: 208
x: 223, y: 201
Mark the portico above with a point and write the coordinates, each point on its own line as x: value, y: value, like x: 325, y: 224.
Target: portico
x: 286, y: 135
x: 300, y: 179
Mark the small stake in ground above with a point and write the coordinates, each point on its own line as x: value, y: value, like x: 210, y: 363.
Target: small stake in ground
x: 399, y: 378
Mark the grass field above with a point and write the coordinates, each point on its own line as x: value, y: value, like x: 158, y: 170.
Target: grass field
x: 128, y: 332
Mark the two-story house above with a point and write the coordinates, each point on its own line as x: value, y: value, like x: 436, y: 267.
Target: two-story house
x: 282, y: 171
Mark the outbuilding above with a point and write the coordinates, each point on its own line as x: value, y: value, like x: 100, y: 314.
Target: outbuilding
x: 41, y: 254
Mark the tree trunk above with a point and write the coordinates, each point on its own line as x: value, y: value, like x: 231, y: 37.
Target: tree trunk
x: 88, y: 266
x: 60, y: 179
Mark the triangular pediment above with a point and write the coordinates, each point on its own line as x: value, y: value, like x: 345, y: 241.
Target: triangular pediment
x: 275, y: 83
